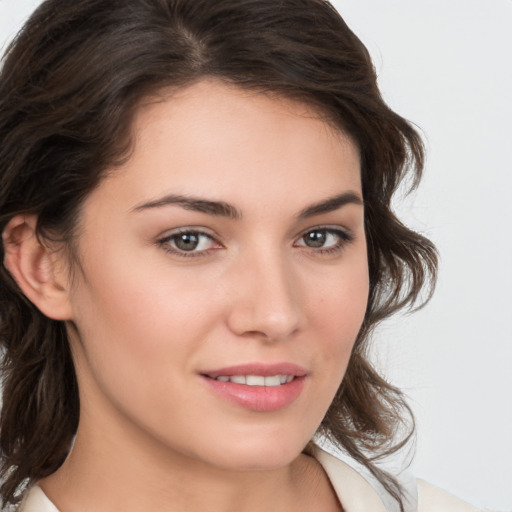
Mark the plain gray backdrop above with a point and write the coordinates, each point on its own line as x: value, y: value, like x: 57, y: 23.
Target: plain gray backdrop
x: 446, y: 66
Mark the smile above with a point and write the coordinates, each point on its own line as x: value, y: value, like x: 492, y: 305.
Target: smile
x: 257, y: 380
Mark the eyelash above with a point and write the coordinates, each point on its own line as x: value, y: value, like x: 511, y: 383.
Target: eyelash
x: 344, y: 238
x: 165, y: 243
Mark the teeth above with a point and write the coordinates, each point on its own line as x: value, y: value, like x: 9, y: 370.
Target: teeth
x: 272, y: 381
x: 257, y: 380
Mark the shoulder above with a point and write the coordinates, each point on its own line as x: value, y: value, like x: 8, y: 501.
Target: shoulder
x: 434, y: 499
x: 361, y: 493
x: 36, y: 501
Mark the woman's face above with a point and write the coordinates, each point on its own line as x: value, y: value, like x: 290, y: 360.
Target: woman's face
x: 223, y: 279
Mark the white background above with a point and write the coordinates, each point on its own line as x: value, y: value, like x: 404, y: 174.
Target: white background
x: 447, y: 66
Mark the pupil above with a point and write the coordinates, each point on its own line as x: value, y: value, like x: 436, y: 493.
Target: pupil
x: 187, y: 241
x: 315, y: 239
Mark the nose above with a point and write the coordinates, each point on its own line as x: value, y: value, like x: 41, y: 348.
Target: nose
x: 265, y: 299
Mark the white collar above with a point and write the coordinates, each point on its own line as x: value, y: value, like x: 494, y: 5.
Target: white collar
x: 353, y: 491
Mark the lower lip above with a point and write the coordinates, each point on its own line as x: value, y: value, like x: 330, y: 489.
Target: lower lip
x: 258, y: 398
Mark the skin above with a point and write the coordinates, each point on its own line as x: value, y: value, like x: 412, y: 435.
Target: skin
x: 145, y: 320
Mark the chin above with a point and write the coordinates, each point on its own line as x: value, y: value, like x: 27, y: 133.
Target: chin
x: 263, y: 453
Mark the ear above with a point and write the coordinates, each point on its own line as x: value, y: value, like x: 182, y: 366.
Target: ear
x: 40, y: 271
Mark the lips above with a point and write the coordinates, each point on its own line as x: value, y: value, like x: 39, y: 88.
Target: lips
x: 262, y: 369
x: 257, y: 387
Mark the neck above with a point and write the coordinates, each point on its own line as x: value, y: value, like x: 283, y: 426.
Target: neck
x: 108, y: 470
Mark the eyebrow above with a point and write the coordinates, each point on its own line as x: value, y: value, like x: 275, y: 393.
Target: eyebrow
x: 219, y: 208
x: 331, y: 204
x: 223, y: 209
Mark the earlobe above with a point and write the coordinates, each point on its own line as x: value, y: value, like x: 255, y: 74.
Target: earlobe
x: 36, y: 268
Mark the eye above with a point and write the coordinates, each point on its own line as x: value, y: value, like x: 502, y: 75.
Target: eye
x: 324, y: 239
x: 188, y: 242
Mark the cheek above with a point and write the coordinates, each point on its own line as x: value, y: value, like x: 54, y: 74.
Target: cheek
x: 338, y: 314
x: 133, y: 297
x: 139, y: 333
x: 136, y: 321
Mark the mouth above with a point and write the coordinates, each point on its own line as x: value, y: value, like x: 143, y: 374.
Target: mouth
x: 258, y: 387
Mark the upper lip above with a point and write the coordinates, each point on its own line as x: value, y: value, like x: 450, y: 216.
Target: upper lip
x: 263, y: 369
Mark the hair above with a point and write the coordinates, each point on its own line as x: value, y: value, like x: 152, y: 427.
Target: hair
x: 70, y: 85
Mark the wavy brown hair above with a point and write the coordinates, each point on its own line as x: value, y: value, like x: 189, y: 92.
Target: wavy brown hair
x: 70, y: 85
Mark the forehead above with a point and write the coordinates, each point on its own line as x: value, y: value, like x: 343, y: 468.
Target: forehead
x: 215, y: 139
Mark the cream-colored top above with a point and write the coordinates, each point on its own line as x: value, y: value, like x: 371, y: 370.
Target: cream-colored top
x: 353, y: 491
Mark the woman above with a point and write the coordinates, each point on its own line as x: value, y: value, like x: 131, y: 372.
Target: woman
x: 175, y: 333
